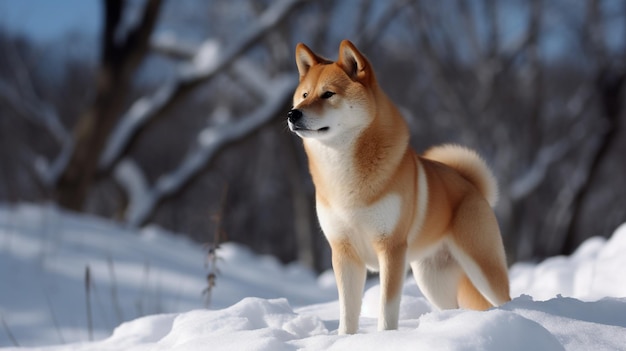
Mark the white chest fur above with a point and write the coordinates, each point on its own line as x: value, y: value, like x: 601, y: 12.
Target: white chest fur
x: 361, y: 226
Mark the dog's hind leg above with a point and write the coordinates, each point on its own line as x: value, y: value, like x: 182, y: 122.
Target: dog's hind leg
x: 438, y: 277
x: 469, y: 297
x: 476, y: 245
x: 444, y: 283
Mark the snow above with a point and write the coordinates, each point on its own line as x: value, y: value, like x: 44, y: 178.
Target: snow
x: 146, y: 295
x: 207, y: 55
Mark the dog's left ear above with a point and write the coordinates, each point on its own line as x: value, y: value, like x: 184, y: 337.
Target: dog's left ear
x: 352, y: 61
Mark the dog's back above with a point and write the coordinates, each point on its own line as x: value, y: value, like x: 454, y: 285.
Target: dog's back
x: 382, y: 206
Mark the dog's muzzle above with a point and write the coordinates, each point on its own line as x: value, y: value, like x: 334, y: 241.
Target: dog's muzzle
x: 297, y: 123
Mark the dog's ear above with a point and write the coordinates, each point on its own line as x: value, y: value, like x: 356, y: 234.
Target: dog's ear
x: 305, y: 59
x: 352, y: 61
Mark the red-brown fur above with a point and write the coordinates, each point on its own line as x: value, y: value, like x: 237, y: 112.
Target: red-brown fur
x: 432, y: 211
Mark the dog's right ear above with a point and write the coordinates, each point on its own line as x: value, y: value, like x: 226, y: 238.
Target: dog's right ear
x: 305, y: 59
x: 353, y: 62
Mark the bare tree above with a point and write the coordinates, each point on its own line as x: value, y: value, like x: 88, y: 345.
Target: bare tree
x: 547, y: 124
x: 609, y: 79
x: 120, y: 58
x: 497, y: 94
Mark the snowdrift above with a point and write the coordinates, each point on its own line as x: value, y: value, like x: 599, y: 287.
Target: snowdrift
x: 151, y: 283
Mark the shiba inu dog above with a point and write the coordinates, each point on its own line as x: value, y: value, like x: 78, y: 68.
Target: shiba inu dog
x: 382, y: 206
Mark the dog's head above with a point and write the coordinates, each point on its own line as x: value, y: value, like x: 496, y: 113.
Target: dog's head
x: 334, y: 99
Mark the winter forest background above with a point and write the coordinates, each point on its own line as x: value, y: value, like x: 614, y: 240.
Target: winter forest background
x: 173, y: 112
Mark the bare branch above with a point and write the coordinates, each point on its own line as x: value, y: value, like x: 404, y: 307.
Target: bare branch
x: 147, y: 108
x: 470, y: 27
x: 26, y: 101
x: 444, y: 87
x: 127, y: 53
x: 535, y: 75
x: 548, y: 155
x: 561, y: 213
x: 251, y: 77
x: 210, y: 141
x: 138, y: 39
x: 594, y: 32
x: 35, y: 111
x: 494, y: 28
x: 372, y: 32
x: 172, y: 46
x: 536, y: 173
x: 50, y: 172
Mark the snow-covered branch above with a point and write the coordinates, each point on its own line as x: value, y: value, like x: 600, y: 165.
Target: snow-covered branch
x: 209, y: 142
x: 130, y: 177
x: 170, y: 45
x: 27, y: 103
x: 536, y: 173
x: 203, y: 68
x: 49, y: 172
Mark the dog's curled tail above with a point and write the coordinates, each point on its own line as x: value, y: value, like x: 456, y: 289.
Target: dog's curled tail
x: 470, y: 165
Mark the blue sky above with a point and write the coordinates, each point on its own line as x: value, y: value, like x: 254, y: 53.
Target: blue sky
x: 50, y: 20
x: 47, y: 20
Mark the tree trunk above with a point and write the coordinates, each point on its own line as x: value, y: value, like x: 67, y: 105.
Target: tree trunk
x: 610, y: 87
x: 119, y: 60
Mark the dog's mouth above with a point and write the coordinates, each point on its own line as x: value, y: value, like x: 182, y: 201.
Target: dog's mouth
x: 306, y: 130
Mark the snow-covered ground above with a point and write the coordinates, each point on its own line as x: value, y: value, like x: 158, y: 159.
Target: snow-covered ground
x: 146, y: 294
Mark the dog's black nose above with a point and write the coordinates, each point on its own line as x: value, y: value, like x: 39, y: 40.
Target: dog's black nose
x: 294, y: 115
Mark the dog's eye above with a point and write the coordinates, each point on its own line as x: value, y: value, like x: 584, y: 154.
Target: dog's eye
x: 304, y: 95
x: 327, y: 94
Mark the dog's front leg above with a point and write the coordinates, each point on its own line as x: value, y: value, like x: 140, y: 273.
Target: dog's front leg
x: 350, y: 274
x: 392, y: 262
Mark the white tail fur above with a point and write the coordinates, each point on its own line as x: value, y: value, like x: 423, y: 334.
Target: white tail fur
x: 470, y: 165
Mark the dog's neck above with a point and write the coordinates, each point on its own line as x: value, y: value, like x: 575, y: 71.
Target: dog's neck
x: 356, y: 168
